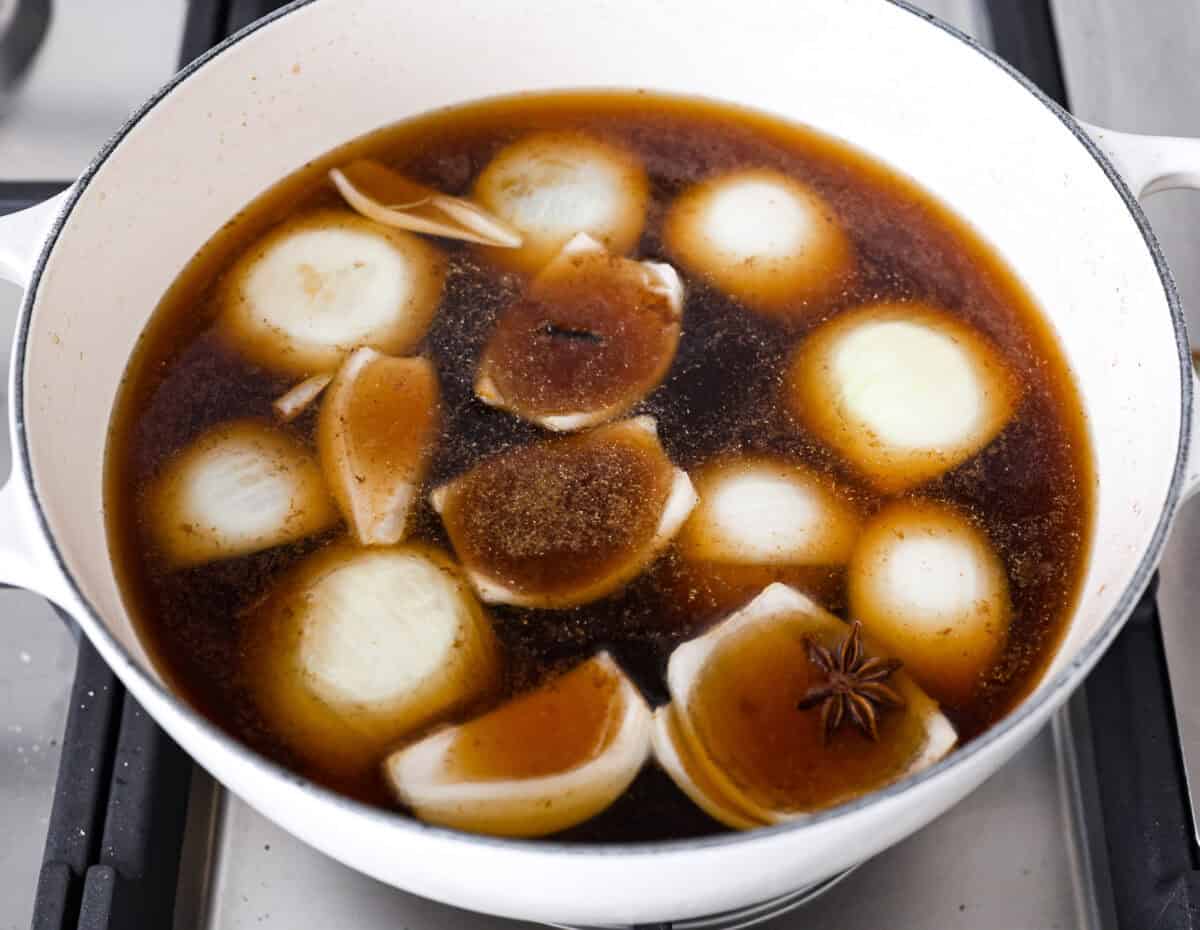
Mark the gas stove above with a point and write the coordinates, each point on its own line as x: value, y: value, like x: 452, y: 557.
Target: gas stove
x: 108, y: 824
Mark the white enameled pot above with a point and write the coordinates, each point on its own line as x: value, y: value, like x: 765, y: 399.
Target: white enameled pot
x: 1045, y: 192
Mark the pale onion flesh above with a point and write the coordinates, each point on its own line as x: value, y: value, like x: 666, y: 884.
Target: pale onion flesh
x: 504, y: 791
x: 358, y: 649
x: 239, y: 488
x: 760, y: 510
x: 762, y: 237
x: 552, y: 185
x: 928, y: 583
x: 903, y: 391
x: 320, y: 285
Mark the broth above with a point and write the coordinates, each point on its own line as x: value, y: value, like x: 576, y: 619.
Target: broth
x: 1030, y: 489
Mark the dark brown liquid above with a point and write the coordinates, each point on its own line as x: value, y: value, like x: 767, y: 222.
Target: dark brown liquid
x: 1031, y: 488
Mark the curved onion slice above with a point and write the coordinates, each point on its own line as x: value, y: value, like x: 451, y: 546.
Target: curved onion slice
x: 552, y: 185
x: 383, y: 195
x: 296, y: 400
x: 238, y: 488
x: 543, y: 762
x: 760, y: 510
x: 358, y: 649
x: 593, y: 336
x: 673, y: 753
x: 377, y: 428
x: 735, y: 692
x: 762, y: 237
x: 926, y: 582
x: 566, y: 521
x: 316, y: 287
x: 904, y: 391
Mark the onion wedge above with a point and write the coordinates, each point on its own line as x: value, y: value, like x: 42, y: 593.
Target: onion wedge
x: 239, y: 488
x: 385, y: 196
x: 545, y: 761
x: 300, y: 299
x: 358, y: 649
x: 742, y: 736
x: 552, y: 185
x: 566, y: 521
x: 377, y: 428
x: 904, y: 391
x: 762, y: 237
x: 759, y: 510
x: 592, y: 337
x: 929, y: 585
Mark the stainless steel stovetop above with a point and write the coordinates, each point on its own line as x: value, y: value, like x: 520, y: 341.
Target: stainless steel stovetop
x: 1018, y: 853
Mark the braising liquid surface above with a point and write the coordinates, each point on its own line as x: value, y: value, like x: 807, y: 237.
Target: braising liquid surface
x: 1030, y: 489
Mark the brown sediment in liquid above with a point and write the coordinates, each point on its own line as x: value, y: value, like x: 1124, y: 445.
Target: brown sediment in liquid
x: 586, y: 337
x: 1031, y: 489
x: 560, y: 514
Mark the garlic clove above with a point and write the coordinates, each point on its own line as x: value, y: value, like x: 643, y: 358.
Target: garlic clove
x: 377, y: 428
x: 239, y: 488
x: 540, y: 763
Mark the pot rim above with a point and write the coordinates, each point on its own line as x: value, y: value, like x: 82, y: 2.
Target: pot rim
x: 1054, y: 689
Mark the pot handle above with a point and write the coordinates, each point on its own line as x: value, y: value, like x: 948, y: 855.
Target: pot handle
x: 22, y: 235
x: 26, y: 560
x: 1149, y: 165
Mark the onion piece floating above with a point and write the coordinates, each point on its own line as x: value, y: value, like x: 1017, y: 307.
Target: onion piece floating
x: 740, y: 738
x: 566, y: 521
x: 927, y: 583
x: 552, y: 185
x: 673, y: 752
x: 545, y: 761
x: 239, y: 488
x: 383, y: 195
x: 316, y: 287
x: 762, y: 237
x: 592, y: 337
x: 358, y: 649
x: 296, y: 400
x: 376, y: 431
x: 761, y: 510
x: 904, y: 391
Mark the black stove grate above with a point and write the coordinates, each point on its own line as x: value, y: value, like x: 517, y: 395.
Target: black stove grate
x: 116, y: 828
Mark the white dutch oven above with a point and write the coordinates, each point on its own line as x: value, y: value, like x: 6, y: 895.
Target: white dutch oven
x: 909, y: 91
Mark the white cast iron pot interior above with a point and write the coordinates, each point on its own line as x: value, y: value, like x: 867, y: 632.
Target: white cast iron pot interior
x: 877, y: 74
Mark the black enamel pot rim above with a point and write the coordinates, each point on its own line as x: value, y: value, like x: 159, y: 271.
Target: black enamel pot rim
x: 1053, y: 691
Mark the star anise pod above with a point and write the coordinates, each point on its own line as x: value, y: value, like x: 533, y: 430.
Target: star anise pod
x: 854, y: 685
